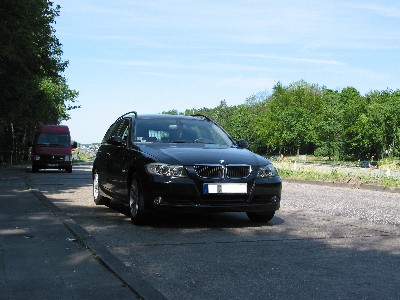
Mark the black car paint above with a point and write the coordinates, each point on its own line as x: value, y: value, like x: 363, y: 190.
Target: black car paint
x: 118, y: 162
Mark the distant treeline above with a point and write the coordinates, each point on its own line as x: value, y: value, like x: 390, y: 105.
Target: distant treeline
x: 304, y: 118
x: 32, y: 88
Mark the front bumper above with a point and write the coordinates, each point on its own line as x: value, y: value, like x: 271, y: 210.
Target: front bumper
x: 51, y: 164
x: 187, y: 195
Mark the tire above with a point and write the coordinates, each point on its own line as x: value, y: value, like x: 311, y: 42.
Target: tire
x: 35, y: 169
x: 69, y: 169
x: 97, y: 197
x: 262, y: 217
x: 139, y: 216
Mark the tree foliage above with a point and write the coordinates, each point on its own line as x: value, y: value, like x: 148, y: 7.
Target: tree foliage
x: 32, y: 88
x: 330, y: 127
x: 304, y: 118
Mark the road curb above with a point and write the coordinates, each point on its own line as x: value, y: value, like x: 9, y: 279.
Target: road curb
x: 140, y: 287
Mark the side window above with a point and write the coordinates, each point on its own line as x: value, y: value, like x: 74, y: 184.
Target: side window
x: 120, y: 128
x: 108, y: 134
x: 125, y: 130
x: 150, y: 131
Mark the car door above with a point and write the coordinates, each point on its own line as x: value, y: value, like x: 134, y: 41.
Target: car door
x: 102, y: 160
x: 119, y: 158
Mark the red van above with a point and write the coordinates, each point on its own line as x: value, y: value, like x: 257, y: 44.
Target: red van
x: 51, y: 148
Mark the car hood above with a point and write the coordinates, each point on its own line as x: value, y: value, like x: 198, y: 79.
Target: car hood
x: 194, y: 154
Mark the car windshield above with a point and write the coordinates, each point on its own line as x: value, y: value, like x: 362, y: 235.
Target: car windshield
x: 53, y: 139
x: 173, y: 130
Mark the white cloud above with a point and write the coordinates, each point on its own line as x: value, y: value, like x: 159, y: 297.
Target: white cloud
x: 292, y: 59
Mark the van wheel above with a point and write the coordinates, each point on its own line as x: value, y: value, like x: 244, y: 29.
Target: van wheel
x: 68, y: 169
x: 262, y: 217
x: 35, y: 169
x: 139, y: 216
x: 97, y: 197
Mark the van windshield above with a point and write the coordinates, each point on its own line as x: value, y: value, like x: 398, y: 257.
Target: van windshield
x: 53, y: 139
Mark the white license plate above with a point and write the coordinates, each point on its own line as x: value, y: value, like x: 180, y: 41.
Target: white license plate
x: 225, y: 188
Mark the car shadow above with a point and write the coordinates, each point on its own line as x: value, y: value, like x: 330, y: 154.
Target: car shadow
x: 29, y: 170
x: 197, y: 220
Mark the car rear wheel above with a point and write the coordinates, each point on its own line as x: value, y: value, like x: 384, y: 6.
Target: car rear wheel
x: 97, y: 197
x: 260, y: 217
x: 139, y: 215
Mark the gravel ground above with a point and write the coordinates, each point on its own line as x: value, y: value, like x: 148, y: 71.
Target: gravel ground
x: 374, y: 206
x: 387, y: 171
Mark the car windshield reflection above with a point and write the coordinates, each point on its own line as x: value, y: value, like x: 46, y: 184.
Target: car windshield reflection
x: 180, y: 131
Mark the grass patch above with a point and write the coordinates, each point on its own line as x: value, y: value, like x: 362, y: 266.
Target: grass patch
x: 303, y: 171
x: 82, y: 157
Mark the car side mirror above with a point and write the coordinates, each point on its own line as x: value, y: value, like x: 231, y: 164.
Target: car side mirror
x: 74, y: 145
x: 243, y: 144
x: 116, y: 140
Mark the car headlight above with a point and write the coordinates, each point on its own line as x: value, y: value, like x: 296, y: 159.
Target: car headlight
x: 36, y: 157
x: 67, y: 157
x: 161, y: 169
x: 267, y: 171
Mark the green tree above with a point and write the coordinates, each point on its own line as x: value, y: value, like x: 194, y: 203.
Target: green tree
x: 32, y: 88
x: 383, y: 122
x: 172, y: 112
x: 329, y: 130
x: 355, y: 111
x: 290, y: 119
x: 302, y: 117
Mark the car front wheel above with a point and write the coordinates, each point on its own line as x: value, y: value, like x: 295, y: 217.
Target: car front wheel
x: 263, y: 217
x: 139, y: 215
x: 97, y: 197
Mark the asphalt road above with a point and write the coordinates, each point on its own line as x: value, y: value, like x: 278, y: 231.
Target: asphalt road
x: 324, y: 243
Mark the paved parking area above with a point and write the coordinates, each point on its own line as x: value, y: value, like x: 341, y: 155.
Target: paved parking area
x: 319, y: 245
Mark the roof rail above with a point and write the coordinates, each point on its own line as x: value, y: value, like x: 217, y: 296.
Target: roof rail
x: 203, y: 116
x: 131, y: 112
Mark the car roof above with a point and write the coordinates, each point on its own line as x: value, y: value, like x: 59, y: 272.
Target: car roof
x: 162, y: 116
x: 52, y: 129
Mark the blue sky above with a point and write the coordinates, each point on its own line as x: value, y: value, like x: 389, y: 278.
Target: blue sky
x: 152, y: 56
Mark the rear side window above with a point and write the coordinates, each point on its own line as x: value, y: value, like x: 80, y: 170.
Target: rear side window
x: 119, y: 128
x: 108, y: 134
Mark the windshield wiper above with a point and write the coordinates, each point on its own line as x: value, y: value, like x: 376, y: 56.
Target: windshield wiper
x: 182, y: 141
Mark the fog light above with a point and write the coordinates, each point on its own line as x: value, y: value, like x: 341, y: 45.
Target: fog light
x: 159, y: 200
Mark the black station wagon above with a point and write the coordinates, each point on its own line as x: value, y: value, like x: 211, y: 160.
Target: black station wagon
x: 181, y: 164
